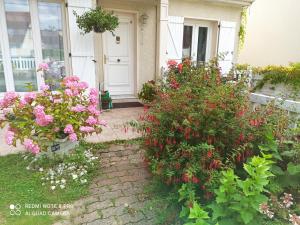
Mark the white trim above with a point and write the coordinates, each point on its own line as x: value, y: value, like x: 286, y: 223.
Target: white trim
x: 8, y: 72
x: 289, y: 105
x: 37, y: 41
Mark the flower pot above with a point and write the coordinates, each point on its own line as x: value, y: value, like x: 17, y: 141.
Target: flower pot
x: 98, y: 29
x: 61, y: 146
x: 105, y: 105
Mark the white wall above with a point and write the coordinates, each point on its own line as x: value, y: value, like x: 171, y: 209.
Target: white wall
x: 273, y: 33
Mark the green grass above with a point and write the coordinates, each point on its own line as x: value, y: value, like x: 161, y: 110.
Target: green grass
x: 21, y: 186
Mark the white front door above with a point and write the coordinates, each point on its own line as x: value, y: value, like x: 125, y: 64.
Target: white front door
x: 119, y: 58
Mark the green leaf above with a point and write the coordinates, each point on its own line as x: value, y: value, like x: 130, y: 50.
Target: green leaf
x: 293, y: 169
x: 246, y: 216
x: 277, y: 170
x: 197, y: 212
x: 184, y: 212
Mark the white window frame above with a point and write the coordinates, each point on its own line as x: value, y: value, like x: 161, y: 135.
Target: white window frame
x: 37, y: 43
x: 195, y: 34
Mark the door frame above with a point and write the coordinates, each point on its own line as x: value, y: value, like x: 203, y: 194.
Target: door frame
x: 135, y: 59
x: 196, y: 24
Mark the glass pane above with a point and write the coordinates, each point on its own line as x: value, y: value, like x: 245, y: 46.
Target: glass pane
x: 2, y: 79
x: 50, y: 18
x: 187, y: 41
x: 202, y: 41
x: 21, y: 43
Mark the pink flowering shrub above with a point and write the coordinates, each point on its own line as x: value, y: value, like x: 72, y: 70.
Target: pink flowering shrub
x: 38, y: 119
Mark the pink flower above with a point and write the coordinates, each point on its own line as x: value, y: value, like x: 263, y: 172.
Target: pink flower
x: 71, y: 78
x: 9, y: 137
x: 102, y: 122
x: 38, y: 111
x: 93, y: 99
x: 75, y: 92
x: 83, y: 85
x: 44, y: 121
x: 91, y: 120
x: 43, y: 66
x: 45, y: 87
x: 29, y: 97
x: 22, y: 103
x: 93, y: 110
x: 57, y: 100
x: 69, y: 92
x: 56, y: 129
x: 78, y: 108
x: 69, y: 129
x: 41, y: 118
x: 94, y: 92
x: 86, y: 129
x: 9, y: 99
x: 31, y: 146
x: 73, y: 137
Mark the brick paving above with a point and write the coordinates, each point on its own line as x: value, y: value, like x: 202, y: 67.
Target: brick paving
x: 117, y: 196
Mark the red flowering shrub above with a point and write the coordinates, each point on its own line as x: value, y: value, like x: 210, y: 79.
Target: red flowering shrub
x: 198, y: 124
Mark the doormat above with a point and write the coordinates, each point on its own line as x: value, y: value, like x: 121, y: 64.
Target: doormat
x: 127, y: 105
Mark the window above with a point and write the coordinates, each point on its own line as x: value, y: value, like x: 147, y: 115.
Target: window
x: 21, y: 48
x: 187, y: 42
x: 35, y: 34
x: 196, y: 39
x: 202, y: 44
x: 50, y: 19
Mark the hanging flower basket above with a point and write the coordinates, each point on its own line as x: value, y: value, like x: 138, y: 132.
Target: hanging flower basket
x: 96, y: 20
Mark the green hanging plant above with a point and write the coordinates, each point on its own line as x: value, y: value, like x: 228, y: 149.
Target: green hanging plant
x: 97, y: 20
x: 242, y: 31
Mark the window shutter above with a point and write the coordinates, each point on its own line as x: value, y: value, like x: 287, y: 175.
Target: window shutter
x: 175, y: 36
x: 82, y: 46
x: 226, y: 45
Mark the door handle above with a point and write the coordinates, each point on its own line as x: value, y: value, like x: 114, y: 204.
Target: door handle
x: 119, y: 60
x: 105, y: 59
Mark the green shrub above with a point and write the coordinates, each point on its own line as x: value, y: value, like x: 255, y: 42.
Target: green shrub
x: 197, y: 124
x: 148, y: 92
x: 237, y: 201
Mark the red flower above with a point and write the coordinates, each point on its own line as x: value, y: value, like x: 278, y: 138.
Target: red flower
x: 195, y: 180
x: 209, y: 154
x: 241, y: 137
x: 174, y: 84
x: 180, y: 67
x: 171, y: 64
x: 185, y: 178
x: 177, y: 166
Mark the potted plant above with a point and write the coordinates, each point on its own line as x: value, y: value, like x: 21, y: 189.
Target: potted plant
x: 106, y: 101
x: 96, y: 20
x: 49, y: 121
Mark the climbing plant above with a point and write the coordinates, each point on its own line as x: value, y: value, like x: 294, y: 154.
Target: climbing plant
x: 242, y: 31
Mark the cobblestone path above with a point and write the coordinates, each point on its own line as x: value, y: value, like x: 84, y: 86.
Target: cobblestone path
x: 117, y: 195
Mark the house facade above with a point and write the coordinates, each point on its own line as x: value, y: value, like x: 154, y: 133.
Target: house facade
x: 272, y: 34
x: 149, y: 34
